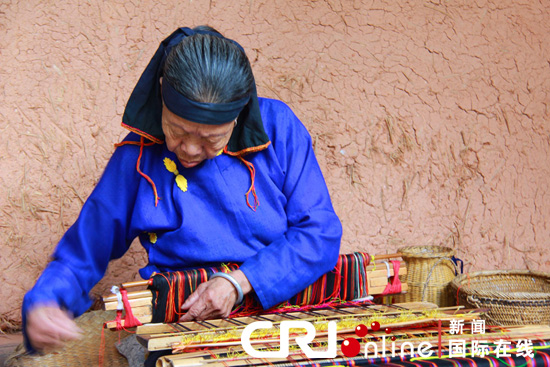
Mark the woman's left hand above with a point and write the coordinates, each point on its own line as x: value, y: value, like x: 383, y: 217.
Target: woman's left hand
x: 215, y: 298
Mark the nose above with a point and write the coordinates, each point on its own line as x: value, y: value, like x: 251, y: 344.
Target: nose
x: 191, y: 148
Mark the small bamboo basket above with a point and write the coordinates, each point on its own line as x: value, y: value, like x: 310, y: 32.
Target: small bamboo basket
x: 430, y: 270
x: 514, y: 297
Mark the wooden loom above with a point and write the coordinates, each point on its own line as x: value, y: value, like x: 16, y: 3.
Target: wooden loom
x: 140, y: 301
x: 217, y: 342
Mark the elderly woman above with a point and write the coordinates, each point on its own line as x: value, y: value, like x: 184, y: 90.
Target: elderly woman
x: 209, y: 174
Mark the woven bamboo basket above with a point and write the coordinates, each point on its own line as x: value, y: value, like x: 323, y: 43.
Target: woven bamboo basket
x: 83, y: 352
x: 429, y: 273
x: 513, y: 297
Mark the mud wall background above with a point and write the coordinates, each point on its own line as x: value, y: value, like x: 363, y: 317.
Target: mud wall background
x: 429, y: 118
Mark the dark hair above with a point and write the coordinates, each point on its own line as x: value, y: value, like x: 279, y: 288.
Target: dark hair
x: 206, y: 28
x: 208, y: 68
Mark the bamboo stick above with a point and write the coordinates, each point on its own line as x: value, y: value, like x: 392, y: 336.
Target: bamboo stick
x: 134, y: 302
x: 137, y: 283
x: 131, y: 295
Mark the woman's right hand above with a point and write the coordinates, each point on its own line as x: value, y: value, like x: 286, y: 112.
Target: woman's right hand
x: 49, y: 327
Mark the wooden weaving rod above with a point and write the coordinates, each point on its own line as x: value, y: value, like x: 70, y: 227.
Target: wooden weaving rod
x: 144, y: 283
x: 377, y: 280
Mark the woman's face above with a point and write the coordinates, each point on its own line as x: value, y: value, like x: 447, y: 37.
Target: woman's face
x: 193, y: 142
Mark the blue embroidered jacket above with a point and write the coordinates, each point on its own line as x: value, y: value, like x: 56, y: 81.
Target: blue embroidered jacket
x: 291, y: 240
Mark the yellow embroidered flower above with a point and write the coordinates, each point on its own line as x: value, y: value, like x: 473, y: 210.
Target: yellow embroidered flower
x: 170, y: 165
x: 152, y: 237
x: 181, y: 182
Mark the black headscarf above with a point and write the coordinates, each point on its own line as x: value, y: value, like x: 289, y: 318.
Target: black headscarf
x: 143, y: 111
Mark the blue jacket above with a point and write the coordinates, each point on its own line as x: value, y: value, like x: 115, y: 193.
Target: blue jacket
x: 291, y: 240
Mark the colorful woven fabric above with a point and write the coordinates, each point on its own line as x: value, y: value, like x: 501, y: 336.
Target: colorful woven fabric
x: 346, y: 282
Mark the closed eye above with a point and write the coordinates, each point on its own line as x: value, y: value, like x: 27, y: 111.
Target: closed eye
x: 178, y: 133
x: 213, y: 140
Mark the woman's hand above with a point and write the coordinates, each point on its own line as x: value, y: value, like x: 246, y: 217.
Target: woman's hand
x: 214, y: 298
x: 49, y: 327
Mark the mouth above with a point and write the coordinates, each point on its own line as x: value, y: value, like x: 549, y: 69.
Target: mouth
x: 188, y: 164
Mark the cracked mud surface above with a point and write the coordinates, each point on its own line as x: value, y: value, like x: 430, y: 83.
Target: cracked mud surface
x: 430, y: 119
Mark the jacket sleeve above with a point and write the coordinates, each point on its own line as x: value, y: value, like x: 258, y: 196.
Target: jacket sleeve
x: 101, y: 233
x: 311, y: 244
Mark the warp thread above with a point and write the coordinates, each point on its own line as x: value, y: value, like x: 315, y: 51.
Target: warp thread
x: 394, y: 283
x: 346, y: 282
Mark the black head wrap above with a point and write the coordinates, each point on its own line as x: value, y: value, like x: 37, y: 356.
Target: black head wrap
x: 143, y: 111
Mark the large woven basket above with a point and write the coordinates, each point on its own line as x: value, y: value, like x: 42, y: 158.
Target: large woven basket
x: 514, y: 297
x: 430, y: 270
x: 84, y: 352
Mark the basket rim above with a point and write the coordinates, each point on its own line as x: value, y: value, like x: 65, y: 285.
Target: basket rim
x: 460, y: 285
x: 413, y: 251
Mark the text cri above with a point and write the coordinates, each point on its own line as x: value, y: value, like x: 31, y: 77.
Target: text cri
x: 302, y: 341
